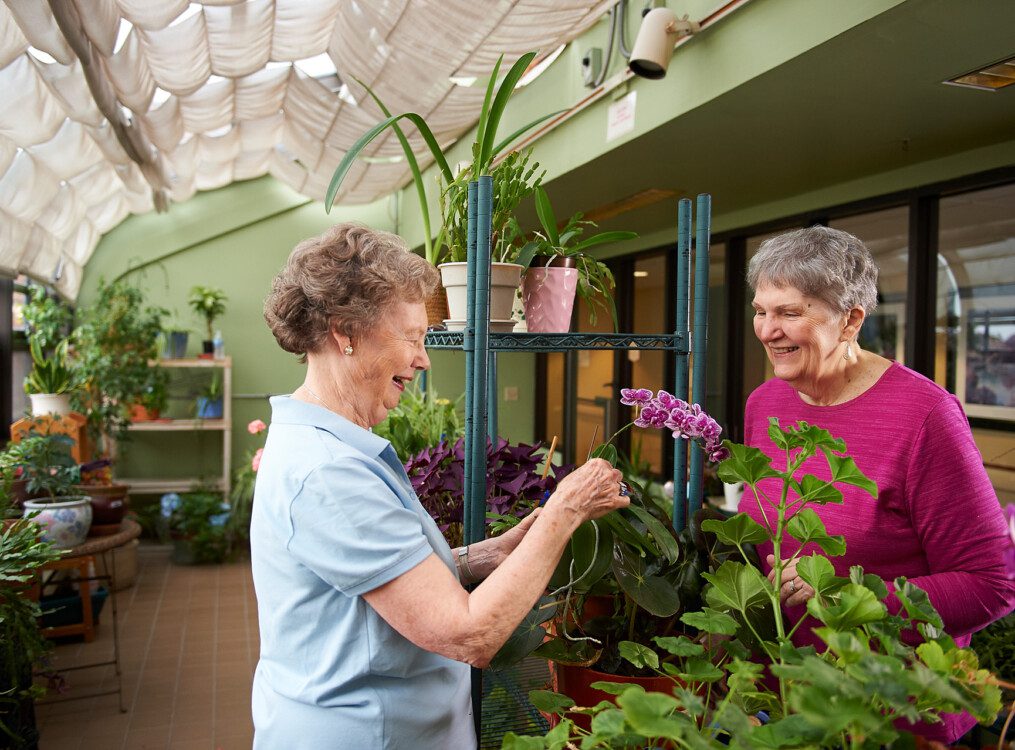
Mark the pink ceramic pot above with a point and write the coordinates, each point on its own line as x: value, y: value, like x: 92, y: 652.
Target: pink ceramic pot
x: 548, y: 295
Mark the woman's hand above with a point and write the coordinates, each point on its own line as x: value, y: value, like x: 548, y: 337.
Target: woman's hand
x: 793, y: 591
x: 507, y: 541
x: 591, y: 491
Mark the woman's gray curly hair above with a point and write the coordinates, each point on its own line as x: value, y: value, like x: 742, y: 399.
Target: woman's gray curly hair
x: 346, y: 277
x: 829, y: 264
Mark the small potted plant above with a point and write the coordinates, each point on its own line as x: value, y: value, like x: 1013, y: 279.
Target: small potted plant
x: 208, y: 303
x: 64, y: 514
x: 210, y: 404
x: 557, y: 266
x: 174, y: 338
x: 198, y: 524
x: 51, y: 380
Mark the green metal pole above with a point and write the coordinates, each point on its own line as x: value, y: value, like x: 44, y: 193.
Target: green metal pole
x: 491, y: 397
x: 476, y: 450
x: 680, y: 381
x: 469, y: 346
x: 703, y: 225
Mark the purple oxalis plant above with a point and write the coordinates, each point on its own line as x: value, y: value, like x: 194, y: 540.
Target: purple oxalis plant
x: 514, y: 483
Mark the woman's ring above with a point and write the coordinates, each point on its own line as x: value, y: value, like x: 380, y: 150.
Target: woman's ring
x: 624, y: 491
x: 792, y: 585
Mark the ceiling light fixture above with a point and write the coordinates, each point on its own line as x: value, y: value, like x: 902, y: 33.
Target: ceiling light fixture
x: 640, y: 274
x: 660, y: 28
x: 988, y: 78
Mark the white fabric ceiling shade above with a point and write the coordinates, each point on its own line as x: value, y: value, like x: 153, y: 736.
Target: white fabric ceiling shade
x: 197, y: 95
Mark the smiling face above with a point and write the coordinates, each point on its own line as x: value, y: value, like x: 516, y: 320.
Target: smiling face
x: 386, y: 359
x: 803, y: 336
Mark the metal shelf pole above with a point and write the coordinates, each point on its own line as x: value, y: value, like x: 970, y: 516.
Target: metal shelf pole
x: 469, y: 346
x: 699, y: 347
x: 680, y: 379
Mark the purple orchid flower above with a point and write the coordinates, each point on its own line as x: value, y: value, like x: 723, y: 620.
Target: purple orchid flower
x: 635, y: 396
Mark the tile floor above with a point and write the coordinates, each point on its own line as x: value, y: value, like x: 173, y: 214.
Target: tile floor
x: 188, y: 648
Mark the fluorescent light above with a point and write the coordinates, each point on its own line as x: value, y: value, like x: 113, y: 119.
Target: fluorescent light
x: 346, y: 95
x: 988, y: 78
x: 640, y: 274
x: 465, y: 81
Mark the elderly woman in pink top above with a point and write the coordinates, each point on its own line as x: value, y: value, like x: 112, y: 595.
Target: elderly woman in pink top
x: 936, y: 520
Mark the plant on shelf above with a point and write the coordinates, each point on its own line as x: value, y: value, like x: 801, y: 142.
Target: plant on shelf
x: 198, y: 524
x: 210, y: 401
x: 485, y: 149
x: 22, y: 555
x: 114, y: 346
x: 51, y: 374
x: 175, y: 336
x: 552, y: 252
x: 419, y: 421
x: 514, y: 485
x: 208, y: 303
x: 851, y: 693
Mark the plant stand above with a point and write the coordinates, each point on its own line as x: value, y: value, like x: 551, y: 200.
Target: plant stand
x: 481, y: 348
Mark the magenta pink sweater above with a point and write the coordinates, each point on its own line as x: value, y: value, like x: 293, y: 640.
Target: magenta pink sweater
x: 936, y: 521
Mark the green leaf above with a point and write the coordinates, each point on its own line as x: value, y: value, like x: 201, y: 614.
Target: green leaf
x: 354, y: 151
x: 608, y: 723
x: 711, y: 621
x: 650, y: 592
x: 662, y: 535
x: 817, y: 491
x: 679, y: 645
x: 546, y: 216
x: 603, y: 238
x: 640, y: 656
x: 806, y: 526
x: 591, y: 560
x: 624, y: 532
x: 817, y: 571
x: 844, y: 470
x: 571, y: 653
x: 791, y: 731
x: 485, y: 136
x: 526, y: 637
x: 745, y: 464
x: 615, y: 688
x: 874, y: 582
x: 856, y: 606
x: 700, y: 670
x: 736, y: 586
x: 606, y: 451
x: 651, y: 714
x: 550, y: 702
x: 739, y: 530
x: 916, y: 603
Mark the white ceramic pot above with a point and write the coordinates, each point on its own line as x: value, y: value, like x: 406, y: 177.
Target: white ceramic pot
x: 504, y: 281
x: 64, y: 520
x: 50, y: 403
x: 732, y: 494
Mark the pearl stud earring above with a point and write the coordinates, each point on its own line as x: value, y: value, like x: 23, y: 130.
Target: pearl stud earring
x: 348, y: 350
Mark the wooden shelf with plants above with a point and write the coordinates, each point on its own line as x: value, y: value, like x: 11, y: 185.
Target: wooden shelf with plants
x: 155, y: 485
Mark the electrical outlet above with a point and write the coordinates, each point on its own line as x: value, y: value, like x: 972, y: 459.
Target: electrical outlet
x: 511, y: 393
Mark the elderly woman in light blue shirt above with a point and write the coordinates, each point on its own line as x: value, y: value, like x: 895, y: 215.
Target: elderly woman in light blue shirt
x: 367, y: 633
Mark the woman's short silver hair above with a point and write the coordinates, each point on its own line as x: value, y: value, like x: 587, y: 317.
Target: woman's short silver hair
x: 829, y: 264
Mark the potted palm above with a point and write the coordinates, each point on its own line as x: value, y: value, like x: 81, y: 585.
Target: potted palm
x: 208, y: 303
x: 557, y: 266
x: 516, y: 179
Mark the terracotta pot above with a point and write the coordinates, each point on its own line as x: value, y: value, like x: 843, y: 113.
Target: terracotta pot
x: 141, y: 413
x: 576, y: 683
x: 109, y: 502
x: 548, y: 293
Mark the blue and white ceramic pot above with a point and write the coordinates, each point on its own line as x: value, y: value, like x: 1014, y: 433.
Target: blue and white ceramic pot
x: 64, y: 520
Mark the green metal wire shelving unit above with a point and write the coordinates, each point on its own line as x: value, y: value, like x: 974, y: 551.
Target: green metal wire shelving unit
x: 481, y: 350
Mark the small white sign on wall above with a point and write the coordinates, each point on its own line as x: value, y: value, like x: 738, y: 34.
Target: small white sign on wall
x: 620, y: 116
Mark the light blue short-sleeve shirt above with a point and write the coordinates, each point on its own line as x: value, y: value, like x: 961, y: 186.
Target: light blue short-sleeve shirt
x: 334, y: 517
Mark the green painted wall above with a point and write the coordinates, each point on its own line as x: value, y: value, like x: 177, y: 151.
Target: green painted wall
x: 237, y: 238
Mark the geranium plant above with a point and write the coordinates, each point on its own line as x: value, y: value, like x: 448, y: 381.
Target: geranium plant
x: 241, y: 497
x: 850, y: 693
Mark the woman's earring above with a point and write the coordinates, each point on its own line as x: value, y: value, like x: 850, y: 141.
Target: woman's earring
x: 348, y: 349
x: 847, y: 356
